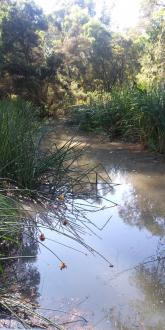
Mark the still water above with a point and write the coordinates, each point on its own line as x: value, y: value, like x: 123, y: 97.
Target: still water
x: 131, y: 295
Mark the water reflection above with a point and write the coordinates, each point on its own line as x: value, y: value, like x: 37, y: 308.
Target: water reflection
x: 147, y: 310
x: 150, y: 279
x: 20, y: 280
x: 139, y: 210
x: 132, y: 294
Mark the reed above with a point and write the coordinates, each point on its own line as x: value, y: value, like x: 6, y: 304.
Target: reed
x: 131, y: 114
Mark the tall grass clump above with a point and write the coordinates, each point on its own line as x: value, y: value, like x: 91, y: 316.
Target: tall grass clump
x: 131, y: 114
x: 121, y: 115
x: 151, y: 106
x: 22, y: 159
x: 113, y: 112
x: 90, y: 115
x: 17, y: 136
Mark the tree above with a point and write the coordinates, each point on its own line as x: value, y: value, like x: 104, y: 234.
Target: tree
x: 66, y: 36
x: 86, y: 4
x: 22, y: 57
x: 153, y: 59
x: 72, y: 51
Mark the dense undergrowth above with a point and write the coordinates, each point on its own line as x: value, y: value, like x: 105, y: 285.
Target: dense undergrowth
x: 131, y: 114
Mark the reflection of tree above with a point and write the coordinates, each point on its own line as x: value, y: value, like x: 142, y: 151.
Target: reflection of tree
x: 29, y: 279
x: 21, y: 275
x: 134, y: 321
x: 117, y: 320
x: 140, y: 211
x: 150, y: 278
x: 152, y: 281
x: 147, y: 311
x: 29, y: 245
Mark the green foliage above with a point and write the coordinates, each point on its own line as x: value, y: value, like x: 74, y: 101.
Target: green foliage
x: 73, y: 57
x: 130, y: 114
x: 20, y: 59
x: 42, y: 57
x: 152, y: 119
x: 17, y: 141
x: 153, y: 56
x: 26, y: 70
x: 22, y: 159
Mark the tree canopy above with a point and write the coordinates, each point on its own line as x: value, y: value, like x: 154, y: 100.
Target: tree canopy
x: 48, y: 58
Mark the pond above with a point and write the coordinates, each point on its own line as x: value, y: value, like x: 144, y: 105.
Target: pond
x: 89, y: 294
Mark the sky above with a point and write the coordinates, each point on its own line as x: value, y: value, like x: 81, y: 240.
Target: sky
x: 125, y: 13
